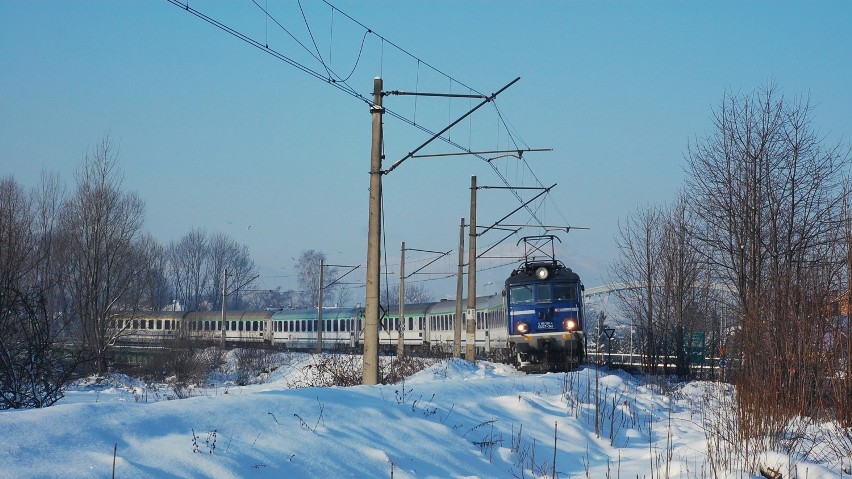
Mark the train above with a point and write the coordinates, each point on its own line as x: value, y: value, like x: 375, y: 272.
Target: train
x: 535, y: 323
x: 544, y: 306
x: 425, y: 325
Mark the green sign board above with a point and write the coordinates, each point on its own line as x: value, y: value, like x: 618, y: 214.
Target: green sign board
x: 694, y: 346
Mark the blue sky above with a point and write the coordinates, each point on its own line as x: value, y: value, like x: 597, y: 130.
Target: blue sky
x: 216, y: 134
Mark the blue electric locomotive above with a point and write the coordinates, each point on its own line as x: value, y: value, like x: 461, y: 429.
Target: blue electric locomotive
x: 544, y: 302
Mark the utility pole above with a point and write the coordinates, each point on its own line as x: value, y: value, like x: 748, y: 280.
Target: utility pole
x: 470, y: 350
x: 370, y: 373
x: 224, y: 303
x: 457, y: 324
x: 400, y: 346
x: 319, y: 307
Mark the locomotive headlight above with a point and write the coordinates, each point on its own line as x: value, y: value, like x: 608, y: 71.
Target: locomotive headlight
x: 542, y: 273
x: 569, y: 324
x: 522, y: 327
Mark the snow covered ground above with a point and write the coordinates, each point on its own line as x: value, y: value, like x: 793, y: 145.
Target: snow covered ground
x: 453, y: 419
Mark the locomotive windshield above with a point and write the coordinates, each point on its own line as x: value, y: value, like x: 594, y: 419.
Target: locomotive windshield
x: 565, y: 291
x: 542, y: 293
x: 521, y: 294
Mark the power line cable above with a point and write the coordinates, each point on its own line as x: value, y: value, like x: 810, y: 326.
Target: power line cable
x: 340, y: 83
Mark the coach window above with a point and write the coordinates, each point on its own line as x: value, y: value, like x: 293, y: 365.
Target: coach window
x: 218, y: 325
x: 410, y: 323
x: 150, y: 324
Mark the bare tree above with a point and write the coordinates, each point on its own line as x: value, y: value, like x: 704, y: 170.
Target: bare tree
x: 669, y: 291
x: 639, y: 242
x: 686, y: 284
x: 197, y: 264
x: 769, y: 196
x: 155, y: 289
x: 226, y: 254
x: 307, y: 268
x: 273, y: 298
x: 187, y: 269
x: 414, y: 293
x: 34, y: 366
x: 102, y: 226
